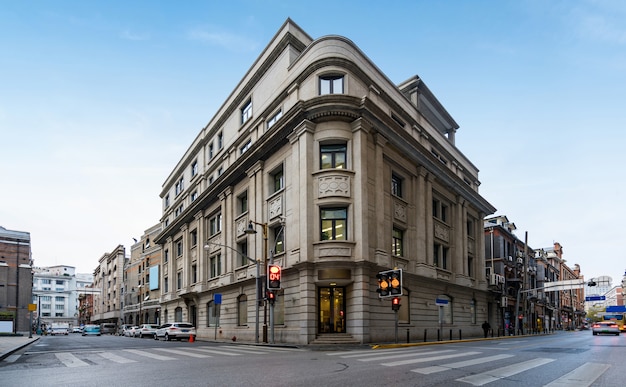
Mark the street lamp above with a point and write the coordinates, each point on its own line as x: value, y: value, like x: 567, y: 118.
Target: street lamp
x: 207, y: 246
x: 250, y: 230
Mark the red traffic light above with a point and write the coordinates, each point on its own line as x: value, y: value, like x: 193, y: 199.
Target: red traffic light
x: 274, y: 273
x: 395, y: 303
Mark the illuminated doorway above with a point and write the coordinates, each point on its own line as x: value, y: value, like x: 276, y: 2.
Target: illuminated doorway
x: 332, y: 311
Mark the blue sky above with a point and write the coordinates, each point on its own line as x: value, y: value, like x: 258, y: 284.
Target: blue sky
x: 99, y: 100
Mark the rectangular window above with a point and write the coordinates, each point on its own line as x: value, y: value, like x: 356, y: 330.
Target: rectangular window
x: 215, y: 265
x: 211, y: 153
x: 179, y: 280
x: 333, y: 224
x: 179, y: 248
x: 194, y: 274
x: 242, y: 201
x: 331, y: 84
x: 245, y: 147
x: 220, y: 140
x: 180, y: 186
x: 166, y: 255
x: 396, y: 185
x: 194, y: 238
x: 333, y: 156
x: 440, y: 256
x: 278, y: 236
x: 242, y: 248
x: 194, y: 168
x: 215, y: 224
x: 59, y: 299
x: 274, y: 119
x: 278, y: 180
x: 166, y: 201
x: 166, y: 284
x: 194, y: 196
x: 246, y: 111
x: 397, y: 120
x: 440, y: 210
x: 396, y: 242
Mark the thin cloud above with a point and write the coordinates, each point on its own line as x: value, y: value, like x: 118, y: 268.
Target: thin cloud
x: 223, y: 39
x: 128, y: 35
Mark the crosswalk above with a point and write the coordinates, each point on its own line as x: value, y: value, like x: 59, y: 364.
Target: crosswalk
x: 126, y: 356
x: 501, y: 365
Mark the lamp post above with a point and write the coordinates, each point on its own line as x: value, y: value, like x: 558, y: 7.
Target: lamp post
x: 257, y: 279
x: 251, y: 230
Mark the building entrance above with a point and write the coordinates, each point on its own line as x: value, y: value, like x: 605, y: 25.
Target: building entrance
x: 332, y: 311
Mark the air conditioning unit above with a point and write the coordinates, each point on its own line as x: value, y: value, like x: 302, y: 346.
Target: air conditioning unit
x: 510, y: 258
x: 500, y: 278
x: 520, y: 260
x: 493, y: 279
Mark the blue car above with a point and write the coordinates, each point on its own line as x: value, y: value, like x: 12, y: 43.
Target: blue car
x: 91, y: 330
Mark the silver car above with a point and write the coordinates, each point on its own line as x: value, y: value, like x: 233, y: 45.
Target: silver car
x: 609, y: 327
x: 146, y: 330
x: 176, y: 331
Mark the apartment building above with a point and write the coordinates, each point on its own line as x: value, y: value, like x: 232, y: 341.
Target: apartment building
x: 341, y: 174
x: 140, y: 291
x: 107, y: 287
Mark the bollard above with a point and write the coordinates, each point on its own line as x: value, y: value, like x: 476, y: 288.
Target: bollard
x: 424, y: 335
x: 407, y: 336
x: 450, y: 334
x: 460, y: 335
x: 438, y: 334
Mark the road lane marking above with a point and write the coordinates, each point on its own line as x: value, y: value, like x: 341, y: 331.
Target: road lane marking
x: 182, y: 352
x: 148, y: 354
x: 115, y: 358
x: 582, y: 376
x: 504, y: 372
x: 70, y: 360
x: 408, y: 354
x: 216, y: 352
x: 426, y: 359
x: 460, y: 364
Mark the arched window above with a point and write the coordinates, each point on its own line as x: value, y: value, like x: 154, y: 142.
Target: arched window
x: 242, y: 310
x: 178, y: 314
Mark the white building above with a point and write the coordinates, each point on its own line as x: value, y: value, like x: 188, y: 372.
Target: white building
x: 55, y: 292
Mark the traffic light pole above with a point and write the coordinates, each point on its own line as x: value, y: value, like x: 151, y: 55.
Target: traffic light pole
x: 272, y: 306
x: 396, y: 328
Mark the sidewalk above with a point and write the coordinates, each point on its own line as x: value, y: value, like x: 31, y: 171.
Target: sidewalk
x: 10, y: 344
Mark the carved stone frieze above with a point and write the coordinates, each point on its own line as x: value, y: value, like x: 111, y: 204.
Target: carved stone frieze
x: 334, y: 185
x: 275, y: 206
x: 442, y: 232
x: 399, y: 211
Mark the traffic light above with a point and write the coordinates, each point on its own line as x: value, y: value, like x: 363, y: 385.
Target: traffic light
x: 274, y: 273
x: 383, y: 284
x: 396, y: 282
x: 389, y: 283
x: 271, y: 296
x: 395, y: 303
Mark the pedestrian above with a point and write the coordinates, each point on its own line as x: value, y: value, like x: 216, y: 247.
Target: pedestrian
x: 486, y: 328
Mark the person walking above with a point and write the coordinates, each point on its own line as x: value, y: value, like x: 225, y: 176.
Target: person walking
x: 486, y: 328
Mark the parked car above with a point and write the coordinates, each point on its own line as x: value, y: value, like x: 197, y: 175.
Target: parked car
x: 77, y: 330
x: 145, y: 330
x: 108, y: 328
x: 59, y: 330
x: 175, y: 330
x: 130, y: 331
x: 609, y: 327
x: 122, y: 330
x: 91, y: 330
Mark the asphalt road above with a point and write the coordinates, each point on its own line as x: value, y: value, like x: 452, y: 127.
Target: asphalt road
x: 563, y: 359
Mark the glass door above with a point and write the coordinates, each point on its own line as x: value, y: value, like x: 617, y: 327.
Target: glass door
x: 332, y: 316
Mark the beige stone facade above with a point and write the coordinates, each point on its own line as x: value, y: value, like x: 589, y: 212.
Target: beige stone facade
x: 350, y: 175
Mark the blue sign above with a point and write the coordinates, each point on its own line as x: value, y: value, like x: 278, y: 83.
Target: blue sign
x: 441, y: 302
x: 217, y: 298
x: 595, y: 298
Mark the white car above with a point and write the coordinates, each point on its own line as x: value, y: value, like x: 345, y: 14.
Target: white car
x: 145, y: 330
x: 176, y: 331
x: 609, y: 327
x: 130, y: 331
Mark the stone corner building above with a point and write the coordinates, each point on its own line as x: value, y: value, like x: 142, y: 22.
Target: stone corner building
x: 342, y: 174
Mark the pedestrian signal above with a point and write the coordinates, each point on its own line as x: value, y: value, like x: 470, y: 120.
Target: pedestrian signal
x: 395, y: 303
x: 274, y: 273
